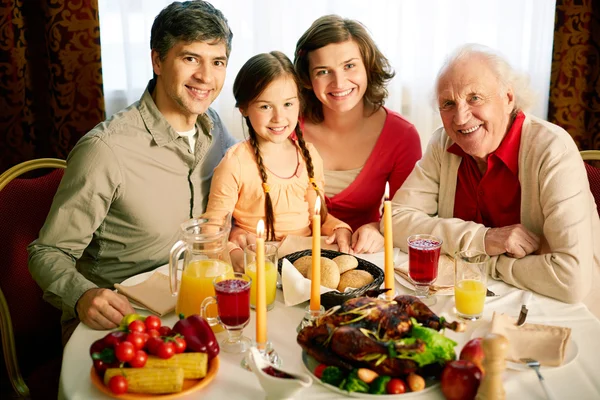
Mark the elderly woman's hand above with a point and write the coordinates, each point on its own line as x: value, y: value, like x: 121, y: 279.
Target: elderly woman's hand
x: 367, y: 239
x: 342, y: 237
x: 514, y: 240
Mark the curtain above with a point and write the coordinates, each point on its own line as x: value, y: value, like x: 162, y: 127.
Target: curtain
x: 416, y: 36
x: 50, y: 77
x: 575, y: 85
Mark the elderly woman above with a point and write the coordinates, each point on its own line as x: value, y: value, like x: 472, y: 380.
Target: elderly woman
x: 501, y: 181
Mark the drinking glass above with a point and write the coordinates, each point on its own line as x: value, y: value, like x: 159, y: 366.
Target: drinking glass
x: 423, y: 257
x: 470, y: 279
x: 232, y: 296
x: 270, y: 273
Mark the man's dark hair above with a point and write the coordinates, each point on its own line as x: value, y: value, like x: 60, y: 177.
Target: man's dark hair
x: 189, y: 21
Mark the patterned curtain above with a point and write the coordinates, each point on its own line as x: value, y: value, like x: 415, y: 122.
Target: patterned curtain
x: 50, y: 77
x: 575, y: 81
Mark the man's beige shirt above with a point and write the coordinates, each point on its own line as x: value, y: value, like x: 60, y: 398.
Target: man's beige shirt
x: 129, y: 184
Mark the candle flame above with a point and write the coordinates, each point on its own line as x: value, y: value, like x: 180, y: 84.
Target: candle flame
x: 318, y: 206
x: 387, y: 191
x: 260, y: 228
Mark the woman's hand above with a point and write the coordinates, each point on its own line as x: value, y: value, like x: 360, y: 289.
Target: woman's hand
x: 237, y: 260
x: 367, y: 239
x: 342, y: 237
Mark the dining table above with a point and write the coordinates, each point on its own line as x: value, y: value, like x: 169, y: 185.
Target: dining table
x: 578, y: 377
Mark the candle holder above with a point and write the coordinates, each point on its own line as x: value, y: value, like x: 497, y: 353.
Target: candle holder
x: 267, y: 352
x: 310, y: 316
x: 384, y: 295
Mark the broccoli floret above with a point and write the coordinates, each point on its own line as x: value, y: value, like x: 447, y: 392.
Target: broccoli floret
x: 332, y: 375
x: 354, y: 384
x: 379, y: 385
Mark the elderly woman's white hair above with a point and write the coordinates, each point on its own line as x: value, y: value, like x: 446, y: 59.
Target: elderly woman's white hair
x: 506, y: 74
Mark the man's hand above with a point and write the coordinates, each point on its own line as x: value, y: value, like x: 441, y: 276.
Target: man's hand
x: 342, y: 237
x: 514, y: 240
x: 367, y: 239
x: 241, y: 238
x: 102, y: 308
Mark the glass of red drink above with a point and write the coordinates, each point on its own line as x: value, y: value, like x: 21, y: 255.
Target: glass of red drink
x: 232, y: 296
x: 423, y: 257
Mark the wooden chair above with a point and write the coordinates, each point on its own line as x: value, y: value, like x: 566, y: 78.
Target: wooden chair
x: 593, y: 172
x: 29, y: 326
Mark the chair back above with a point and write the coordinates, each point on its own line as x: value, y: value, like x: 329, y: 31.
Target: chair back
x: 593, y: 173
x: 35, y: 324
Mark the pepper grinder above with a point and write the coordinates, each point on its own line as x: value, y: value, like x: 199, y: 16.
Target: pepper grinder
x: 494, y: 347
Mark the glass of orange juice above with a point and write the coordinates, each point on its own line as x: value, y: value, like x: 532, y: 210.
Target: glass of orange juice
x: 470, y: 283
x: 270, y: 273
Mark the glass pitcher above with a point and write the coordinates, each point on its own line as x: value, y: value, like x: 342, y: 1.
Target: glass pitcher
x: 204, y: 247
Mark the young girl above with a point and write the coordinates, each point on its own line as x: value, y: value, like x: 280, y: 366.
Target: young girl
x: 343, y: 78
x: 271, y: 176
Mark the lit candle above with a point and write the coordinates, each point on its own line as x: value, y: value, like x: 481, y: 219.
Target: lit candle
x: 388, y: 243
x: 315, y: 284
x: 260, y: 285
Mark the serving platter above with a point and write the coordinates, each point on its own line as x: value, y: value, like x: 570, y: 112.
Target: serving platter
x: 310, y: 364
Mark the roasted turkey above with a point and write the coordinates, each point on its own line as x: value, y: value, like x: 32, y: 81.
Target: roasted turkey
x: 367, y: 332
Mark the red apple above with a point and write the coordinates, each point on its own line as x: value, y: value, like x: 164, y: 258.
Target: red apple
x: 460, y: 380
x: 473, y: 351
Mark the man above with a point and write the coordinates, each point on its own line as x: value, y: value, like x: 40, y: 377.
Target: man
x: 133, y: 179
x: 502, y: 181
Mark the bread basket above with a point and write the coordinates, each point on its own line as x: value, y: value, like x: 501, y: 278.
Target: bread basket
x: 335, y: 298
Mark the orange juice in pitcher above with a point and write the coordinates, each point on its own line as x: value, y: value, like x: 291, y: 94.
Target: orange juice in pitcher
x: 203, y: 246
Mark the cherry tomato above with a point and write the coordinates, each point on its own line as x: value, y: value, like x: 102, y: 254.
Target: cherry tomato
x: 139, y: 359
x: 319, y: 370
x: 180, y: 345
x: 100, y: 367
x: 152, y: 322
x: 396, y: 386
x: 166, y: 350
x: 137, y: 326
x: 153, y: 344
x: 118, y: 384
x: 113, y: 338
x: 137, y: 339
x: 124, y: 351
x: 152, y: 333
x: 164, y: 331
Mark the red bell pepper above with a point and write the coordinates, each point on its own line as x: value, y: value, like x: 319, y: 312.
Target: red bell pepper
x: 197, y: 334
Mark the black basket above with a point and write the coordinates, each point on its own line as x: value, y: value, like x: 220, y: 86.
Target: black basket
x: 331, y: 299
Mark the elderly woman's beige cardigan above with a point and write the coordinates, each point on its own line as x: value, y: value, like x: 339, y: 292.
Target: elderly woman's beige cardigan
x: 556, y: 202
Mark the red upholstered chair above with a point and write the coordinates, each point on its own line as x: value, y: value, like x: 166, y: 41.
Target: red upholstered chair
x: 30, y: 327
x: 593, y: 172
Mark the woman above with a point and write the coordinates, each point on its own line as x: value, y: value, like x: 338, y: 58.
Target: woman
x: 363, y: 144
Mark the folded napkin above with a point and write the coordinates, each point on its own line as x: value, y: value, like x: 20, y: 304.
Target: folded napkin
x: 543, y: 343
x: 296, y: 288
x: 292, y: 243
x: 154, y: 294
x: 444, y: 284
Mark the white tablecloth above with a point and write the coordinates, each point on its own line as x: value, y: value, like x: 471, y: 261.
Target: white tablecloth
x: 578, y: 380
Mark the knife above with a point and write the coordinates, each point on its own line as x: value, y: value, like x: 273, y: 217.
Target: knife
x: 523, y: 314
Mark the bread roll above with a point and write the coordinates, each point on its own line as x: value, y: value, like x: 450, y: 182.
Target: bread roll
x: 346, y: 262
x: 303, y: 264
x: 330, y: 273
x: 355, y: 278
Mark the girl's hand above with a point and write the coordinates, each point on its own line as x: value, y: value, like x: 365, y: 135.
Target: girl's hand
x: 237, y: 260
x: 367, y: 239
x: 342, y: 237
x: 241, y: 238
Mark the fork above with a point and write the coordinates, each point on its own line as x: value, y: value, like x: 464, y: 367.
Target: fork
x: 535, y: 365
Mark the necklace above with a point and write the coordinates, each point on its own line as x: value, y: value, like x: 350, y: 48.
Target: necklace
x: 295, y: 171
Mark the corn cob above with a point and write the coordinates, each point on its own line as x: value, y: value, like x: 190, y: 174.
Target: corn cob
x: 149, y: 380
x: 194, y: 364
